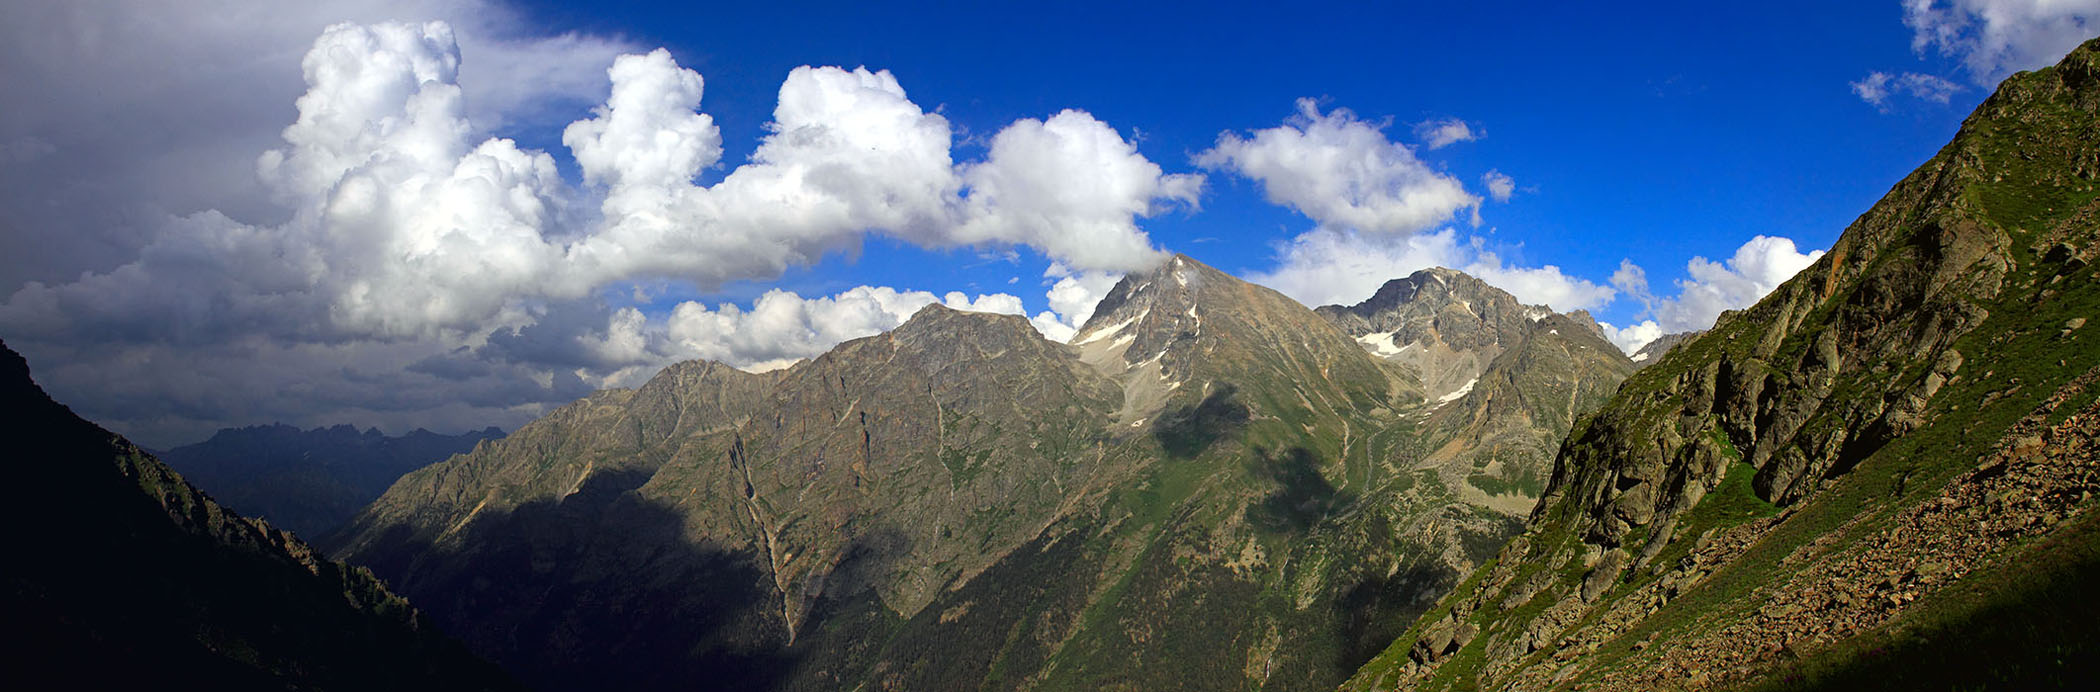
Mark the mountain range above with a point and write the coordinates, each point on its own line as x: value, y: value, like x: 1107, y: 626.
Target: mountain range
x: 1206, y: 467
x: 310, y: 481
x: 1878, y: 476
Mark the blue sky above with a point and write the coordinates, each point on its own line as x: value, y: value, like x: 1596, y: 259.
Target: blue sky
x: 219, y: 212
x: 1654, y: 133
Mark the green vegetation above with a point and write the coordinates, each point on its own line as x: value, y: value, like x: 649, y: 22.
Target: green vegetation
x: 1527, y: 483
x: 1976, y: 254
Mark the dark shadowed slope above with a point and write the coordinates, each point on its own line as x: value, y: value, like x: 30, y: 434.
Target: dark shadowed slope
x: 309, y: 481
x: 121, y: 575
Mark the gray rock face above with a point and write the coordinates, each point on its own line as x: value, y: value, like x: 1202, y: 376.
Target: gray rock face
x: 1504, y: 381
x: 1443, y: 325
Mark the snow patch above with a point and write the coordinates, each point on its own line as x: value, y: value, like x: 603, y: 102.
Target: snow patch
x: 1381, y: 344
x: 1535, y: 314
x: 1462, y: 391
x: 1120, y: 326
x: 1638, y: 357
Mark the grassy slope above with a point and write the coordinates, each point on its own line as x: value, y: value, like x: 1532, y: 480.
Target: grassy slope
x: 2014, y: 359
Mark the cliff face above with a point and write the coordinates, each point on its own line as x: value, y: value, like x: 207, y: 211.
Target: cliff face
x: 1208, y: 467
x: 1912, y: 407
x: 124, y: 576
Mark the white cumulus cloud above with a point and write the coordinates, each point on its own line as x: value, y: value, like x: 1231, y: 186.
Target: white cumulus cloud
x: 1632, y: 337
x: 1994, y: 38
x: 1328, y: 267
x: 386, y: 229
x: 1437, y: 134
x: 403, y: 226
x: 136, y: 110
x: 1342, y: 172
x: 1072, y: 300
x: 782, y: 327
x: 1500, y: 186
x: 1072, y: 186
x: 1711, y: 287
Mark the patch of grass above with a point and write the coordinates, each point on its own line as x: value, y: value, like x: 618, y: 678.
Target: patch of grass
x: 1526, y: 483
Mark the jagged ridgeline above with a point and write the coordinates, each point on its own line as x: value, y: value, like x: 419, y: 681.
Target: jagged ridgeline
x: 1878, y: 476
x: 1210, y: 487
x: 309, y: 481
x: 121, y: 575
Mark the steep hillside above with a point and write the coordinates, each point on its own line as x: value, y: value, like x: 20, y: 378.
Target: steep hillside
x: 309, y: 481
x: 1208, y: 467
x: 124, y: 576
x: 1895, y: 445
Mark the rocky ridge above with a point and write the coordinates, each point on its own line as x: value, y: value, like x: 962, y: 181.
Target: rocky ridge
x: 1755, y: 497
x: 310, y: 481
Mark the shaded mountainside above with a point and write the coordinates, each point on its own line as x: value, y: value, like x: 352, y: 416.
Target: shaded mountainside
x: 124, y: 576
x: 309, y: 481
x: 1880, y: 475
x: 959, y: 503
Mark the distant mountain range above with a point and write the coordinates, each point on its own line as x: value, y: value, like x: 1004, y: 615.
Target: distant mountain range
x: 121, y: 575
x: 310, y: 481
x: 1211, y: 487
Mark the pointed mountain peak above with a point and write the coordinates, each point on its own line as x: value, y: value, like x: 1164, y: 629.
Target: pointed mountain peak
x: 1435, y: 288
x: 1443, y: 324
x: 1174, y: 290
